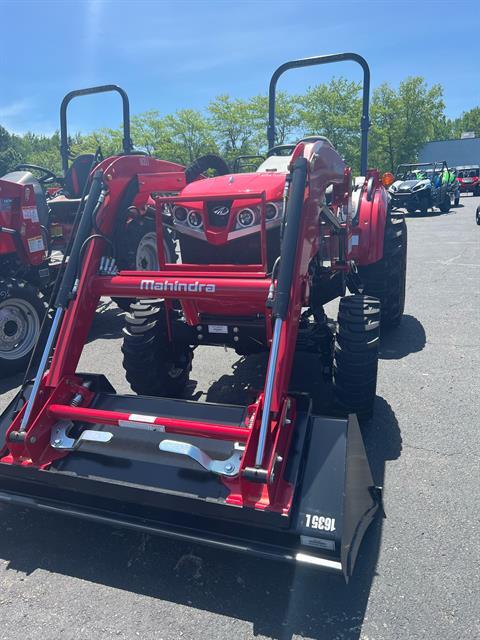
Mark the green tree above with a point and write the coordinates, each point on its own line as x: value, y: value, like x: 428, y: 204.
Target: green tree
x: 385, y: 130
x: 404, y: 120
x: 287, y: 119
x: 468, y: 121
x: 334, y: 110
x: 234, y: 126
x: 187, y: 134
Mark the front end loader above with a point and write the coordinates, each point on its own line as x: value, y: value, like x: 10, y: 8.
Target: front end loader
x: 261, y: 254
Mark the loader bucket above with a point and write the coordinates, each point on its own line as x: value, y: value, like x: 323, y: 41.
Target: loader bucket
x: 128, y: 481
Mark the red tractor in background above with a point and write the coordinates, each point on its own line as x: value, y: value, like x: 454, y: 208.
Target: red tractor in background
x: 261, y: 254
x: 37, y: 220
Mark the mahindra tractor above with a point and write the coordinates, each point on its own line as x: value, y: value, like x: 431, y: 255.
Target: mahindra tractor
x: 260, y: 255
x: 468, y: 178
x: 37, y: 223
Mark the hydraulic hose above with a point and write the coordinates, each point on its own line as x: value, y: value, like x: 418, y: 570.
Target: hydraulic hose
x: 83, y: 231
x: 293, y: 217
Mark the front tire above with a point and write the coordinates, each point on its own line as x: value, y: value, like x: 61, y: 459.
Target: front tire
x: 137, y: 250
x: 386, y: 279
x: 22, y: 311
x: 153, y: 366
x: 477, y: 215
x: 355, y: 362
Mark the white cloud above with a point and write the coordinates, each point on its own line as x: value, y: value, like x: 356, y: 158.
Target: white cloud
x: 14, y: 109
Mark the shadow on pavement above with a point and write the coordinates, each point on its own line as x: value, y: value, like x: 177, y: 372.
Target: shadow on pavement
x: 408, y: 337
x: 279, y: 600
x: 108, y: 322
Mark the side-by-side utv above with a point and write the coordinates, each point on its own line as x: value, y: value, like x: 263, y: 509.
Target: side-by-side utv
x: 261, y: 253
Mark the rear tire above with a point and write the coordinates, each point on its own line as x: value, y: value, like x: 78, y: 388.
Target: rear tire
x: 445, y: 206
x: 153, y: 366
x: 386, y: 279
x: 22, y: 310
x: 456, y: 201
x: 477, y: 215
x: 355, y: 361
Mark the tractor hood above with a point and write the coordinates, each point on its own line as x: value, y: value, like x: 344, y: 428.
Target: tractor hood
x: 409, y: 185
x: 240, y: 183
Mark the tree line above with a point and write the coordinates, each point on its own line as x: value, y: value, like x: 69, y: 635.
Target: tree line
x: 403, y: 120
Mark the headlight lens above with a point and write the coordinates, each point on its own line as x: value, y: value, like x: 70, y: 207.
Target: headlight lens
x: 418, y: 187
x: 246, y: 217
x: 194, y: 220
x: 272, y: 210
x: 180, y: 214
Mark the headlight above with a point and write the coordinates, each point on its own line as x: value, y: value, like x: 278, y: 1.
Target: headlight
x: 194, y: 220
x: 180, y: 214
x: 246, y: 217
x: 419, y: 187
x: 273, y: 210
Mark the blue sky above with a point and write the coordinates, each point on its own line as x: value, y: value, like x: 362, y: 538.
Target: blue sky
x: 171, y: 55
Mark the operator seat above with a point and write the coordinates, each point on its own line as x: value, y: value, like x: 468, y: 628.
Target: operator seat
x: 77, y: 175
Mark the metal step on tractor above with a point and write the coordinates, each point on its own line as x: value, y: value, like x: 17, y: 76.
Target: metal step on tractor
x: 261, y: 253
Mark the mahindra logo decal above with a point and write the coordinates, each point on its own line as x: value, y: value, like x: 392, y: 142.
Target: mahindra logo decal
x: 167, y: 285
x: 221, y: 211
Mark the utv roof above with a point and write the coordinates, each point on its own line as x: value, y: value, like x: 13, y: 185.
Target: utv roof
x: 467, y: 166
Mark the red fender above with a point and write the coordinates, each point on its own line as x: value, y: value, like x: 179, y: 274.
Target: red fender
x: 365, y: 238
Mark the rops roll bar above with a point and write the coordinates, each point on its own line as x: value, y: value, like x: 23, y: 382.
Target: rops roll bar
x: 316, y: 60
x: 64, y: 146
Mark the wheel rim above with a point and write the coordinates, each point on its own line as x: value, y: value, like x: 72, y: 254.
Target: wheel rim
x: 146, y: 258
x: 19, y: 328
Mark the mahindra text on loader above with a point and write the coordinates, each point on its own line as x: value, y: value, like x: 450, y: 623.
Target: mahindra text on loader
x: 261, y: 254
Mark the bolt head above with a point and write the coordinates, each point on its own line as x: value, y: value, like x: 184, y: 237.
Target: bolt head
x: 229, y: 467
x: 57, y: 441
x: 32, y: 440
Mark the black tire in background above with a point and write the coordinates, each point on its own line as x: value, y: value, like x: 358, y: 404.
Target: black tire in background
x: 423, y: 206
x: 136, y: 250
x: 386, y: 279
x: 22, y: 313
x: 445, y: 205
x: 355, y: 361
x: 153, y: 366
x: 477, y: 215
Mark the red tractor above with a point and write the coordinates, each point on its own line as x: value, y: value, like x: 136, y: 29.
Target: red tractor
x: 261, y: 254
x: 36, y: 224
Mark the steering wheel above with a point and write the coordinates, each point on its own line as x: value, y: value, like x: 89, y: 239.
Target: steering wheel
x: 47, y: 176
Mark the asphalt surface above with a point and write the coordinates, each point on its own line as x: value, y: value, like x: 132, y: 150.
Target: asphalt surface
x: 418, y: 571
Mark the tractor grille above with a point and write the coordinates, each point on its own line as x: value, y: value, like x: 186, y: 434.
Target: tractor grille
x: 219, y: 213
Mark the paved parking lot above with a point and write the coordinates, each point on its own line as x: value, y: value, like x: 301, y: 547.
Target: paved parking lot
x: 418, y: 572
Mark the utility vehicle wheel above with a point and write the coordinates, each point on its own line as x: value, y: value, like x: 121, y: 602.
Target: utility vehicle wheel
x: 456, y: 201
x: 445, y: 205
x: 152, y: 366
x: 423, y: 206
x: 22, y: 309
x: 477, y: 215
x: 137, y: 250
x: 386, y: 279
x: 355, y: 361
